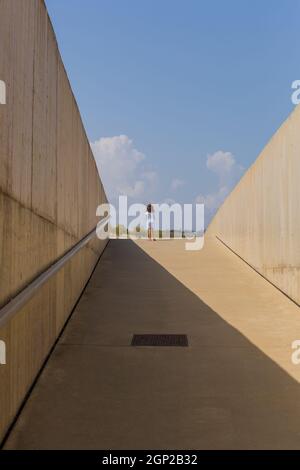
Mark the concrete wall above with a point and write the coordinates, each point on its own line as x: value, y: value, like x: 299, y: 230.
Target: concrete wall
x: 260, y: 220
x: 49, y: 191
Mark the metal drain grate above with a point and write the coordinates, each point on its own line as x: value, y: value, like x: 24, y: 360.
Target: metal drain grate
x: 159, y: 340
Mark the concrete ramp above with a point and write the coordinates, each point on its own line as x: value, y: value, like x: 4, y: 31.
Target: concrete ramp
x: 233, y: 387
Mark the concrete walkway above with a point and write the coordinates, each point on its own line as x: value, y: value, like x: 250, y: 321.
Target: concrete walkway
x: 233, y: 387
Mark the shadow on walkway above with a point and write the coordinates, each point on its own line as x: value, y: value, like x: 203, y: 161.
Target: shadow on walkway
x: 98, y: 392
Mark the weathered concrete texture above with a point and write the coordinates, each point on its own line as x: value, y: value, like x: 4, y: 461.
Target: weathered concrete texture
x: 260, y: 219
x: 49, y: 191
x: 233, y: 387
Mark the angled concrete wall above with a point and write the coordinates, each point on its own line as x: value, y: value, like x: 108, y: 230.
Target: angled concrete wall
x: 260, y: 220
x: 49, y: 191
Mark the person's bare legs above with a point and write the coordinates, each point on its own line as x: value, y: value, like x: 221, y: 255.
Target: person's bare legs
x: 150, y: 233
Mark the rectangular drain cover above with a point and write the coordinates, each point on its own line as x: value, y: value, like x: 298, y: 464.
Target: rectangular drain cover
x: 159, y: 340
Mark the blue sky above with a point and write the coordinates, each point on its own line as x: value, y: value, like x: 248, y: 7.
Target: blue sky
x: 195, y: 88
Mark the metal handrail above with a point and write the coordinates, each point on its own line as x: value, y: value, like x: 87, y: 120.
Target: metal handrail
x: 12, y: 307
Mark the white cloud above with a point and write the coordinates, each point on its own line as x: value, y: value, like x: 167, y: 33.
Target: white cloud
x: 220, y: 162
x: 213, y: 201
x: 224, y: 165
x: 176, y: 184
x: 122, y: 167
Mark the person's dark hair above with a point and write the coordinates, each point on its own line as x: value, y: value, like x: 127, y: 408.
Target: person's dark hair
x: 149, y: 208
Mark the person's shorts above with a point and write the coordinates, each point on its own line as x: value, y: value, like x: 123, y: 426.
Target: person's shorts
x: 149, y: 224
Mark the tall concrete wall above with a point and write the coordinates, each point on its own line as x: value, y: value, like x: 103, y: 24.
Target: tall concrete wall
x: 260, y: 220
x: 49, y: 191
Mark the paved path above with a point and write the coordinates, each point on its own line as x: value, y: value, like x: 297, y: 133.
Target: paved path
x: 233, y: 387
